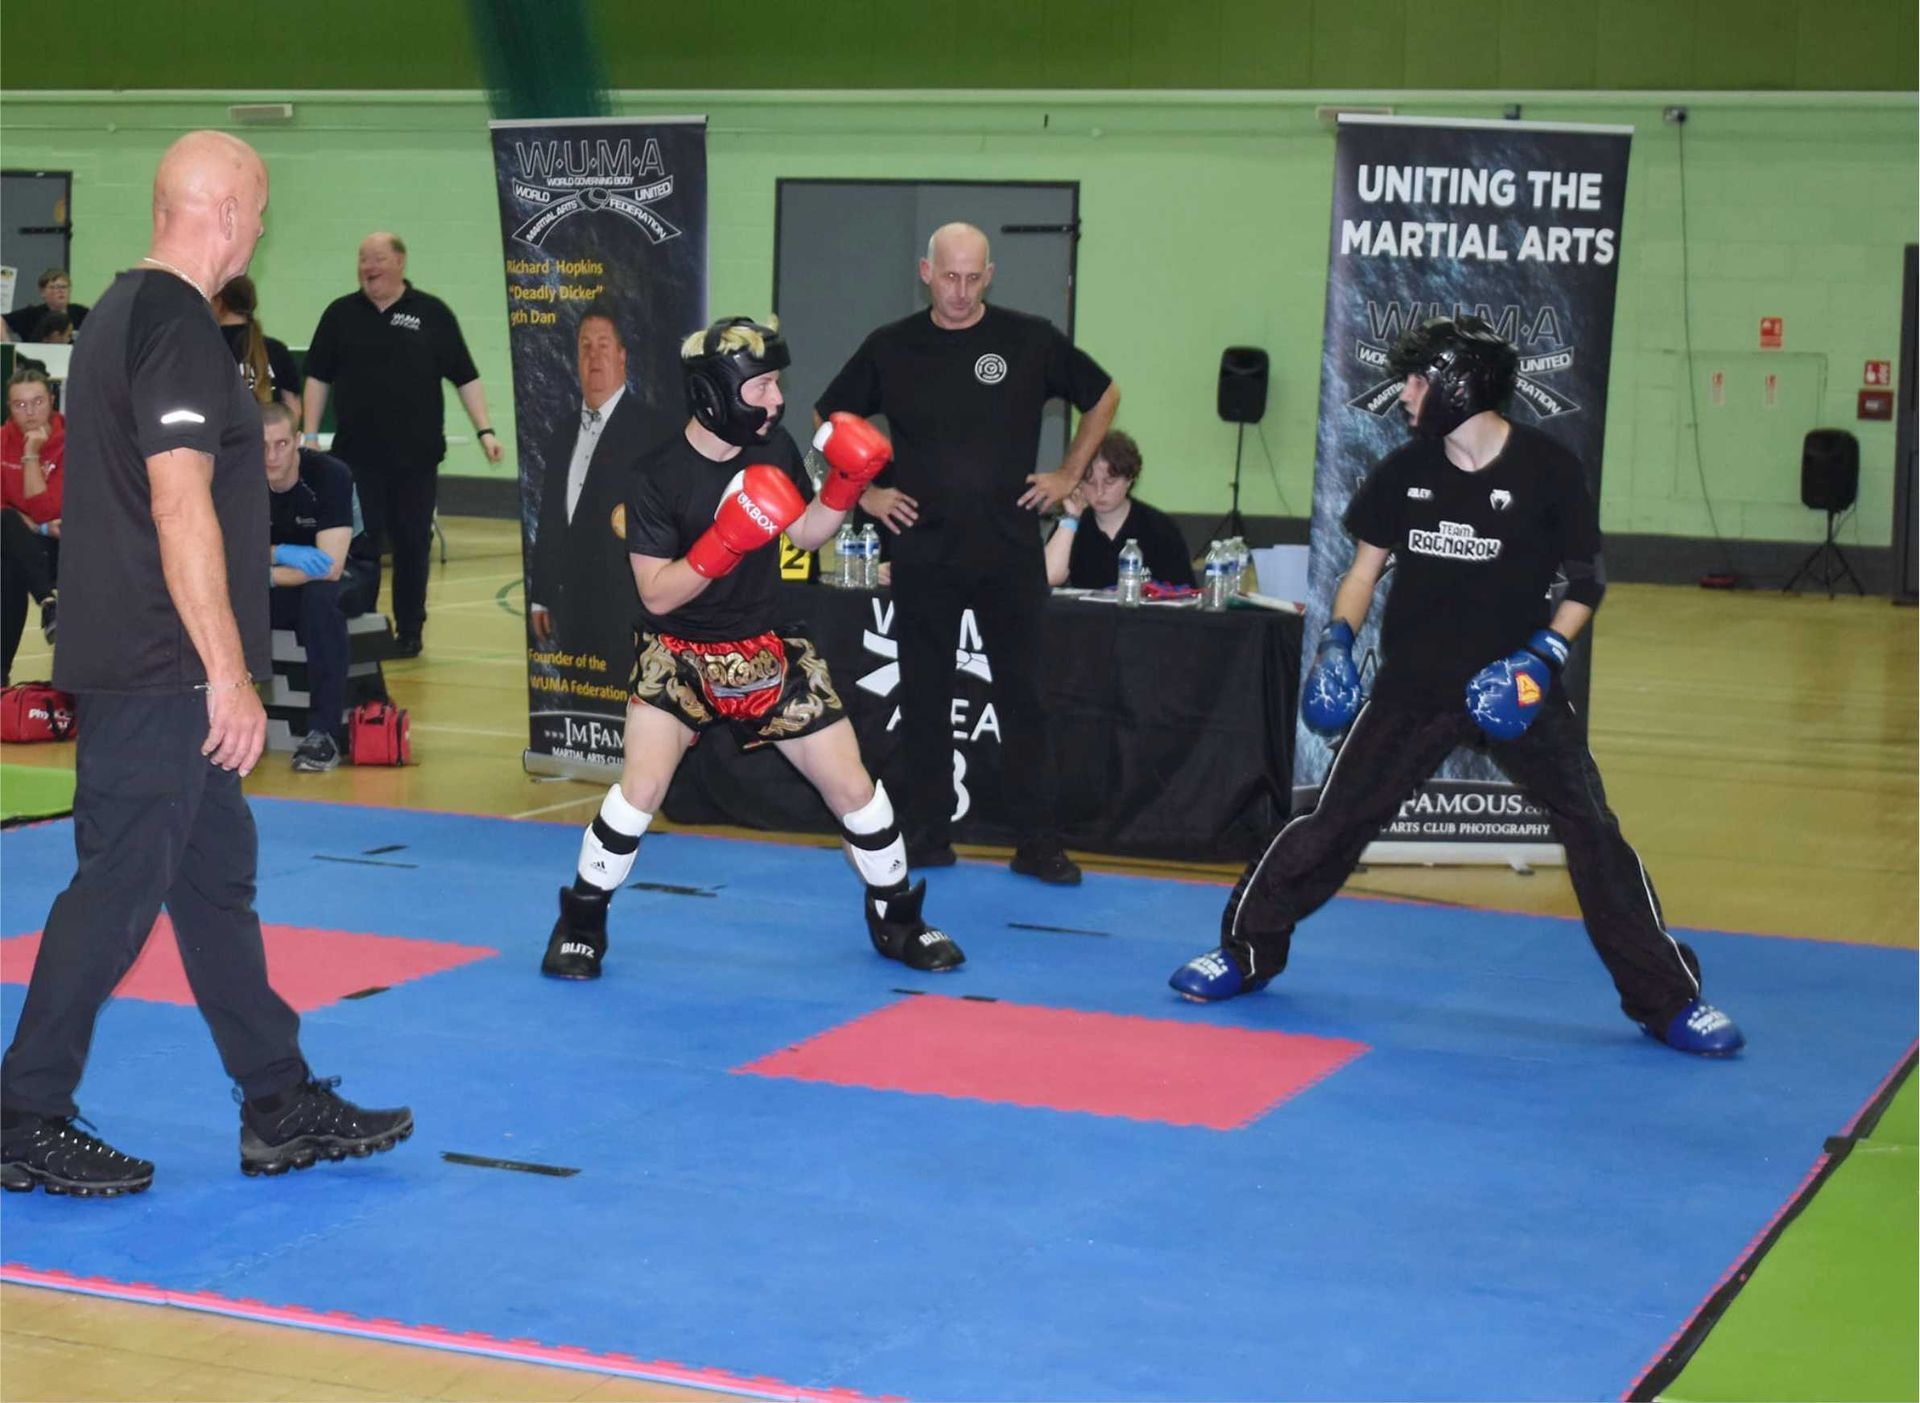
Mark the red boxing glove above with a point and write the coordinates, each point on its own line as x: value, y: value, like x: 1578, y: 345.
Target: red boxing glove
x: 856, y: 451
x: 760, y: 504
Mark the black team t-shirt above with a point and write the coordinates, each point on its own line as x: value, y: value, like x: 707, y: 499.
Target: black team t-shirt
x: 1475, y: 554
x: 676, y: 491
x: 151, y: 375
x: 321, y: 499
x: 964, y: 412
x: 384, y: 370
x: 283, y: 376
x: 1095, y: 561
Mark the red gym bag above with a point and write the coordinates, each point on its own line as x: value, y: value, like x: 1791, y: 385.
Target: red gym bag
x: 36, y: 711
x: 378, y: 735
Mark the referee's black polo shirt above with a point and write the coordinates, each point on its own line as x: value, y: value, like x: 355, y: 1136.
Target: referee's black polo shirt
x: 385, y: 369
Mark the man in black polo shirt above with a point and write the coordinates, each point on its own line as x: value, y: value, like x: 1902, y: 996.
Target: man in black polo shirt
x: 325, y: 571
x: 34, y: 321
x: 162, y: 627
x: 963, y: 387
x: 388, y: 347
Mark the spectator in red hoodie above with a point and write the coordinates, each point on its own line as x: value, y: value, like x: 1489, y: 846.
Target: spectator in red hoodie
x: 33, y: 444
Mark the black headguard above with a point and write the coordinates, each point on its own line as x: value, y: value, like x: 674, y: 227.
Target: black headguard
x: 1468, y: 368
x: 714, y: 378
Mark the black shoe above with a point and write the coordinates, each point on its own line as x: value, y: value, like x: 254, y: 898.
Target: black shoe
x: 895, y: 927
x: 579, y: 939
x: 932, y: 855
x: 312, y: 1123
x: 50, y: 617
x: 317, y: 754
x: 56, y: 1153
x: 1050, y: 865
x: 407, y: 645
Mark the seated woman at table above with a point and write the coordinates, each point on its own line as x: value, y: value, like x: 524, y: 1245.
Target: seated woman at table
x: 1089, y: 557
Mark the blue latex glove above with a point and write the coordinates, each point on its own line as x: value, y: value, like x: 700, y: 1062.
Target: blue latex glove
x: 1332, y: 698
x: 1505, y: 696
x: 310, y: 561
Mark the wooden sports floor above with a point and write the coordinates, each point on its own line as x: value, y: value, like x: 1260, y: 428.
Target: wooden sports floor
x: 1759, y: 748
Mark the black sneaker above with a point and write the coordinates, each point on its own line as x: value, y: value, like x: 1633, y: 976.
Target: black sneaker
x: 407, y: 645
x: 56, y: 1153
x: 1050, y: 865
x: 50, y: 617
x: 317, y: 754
x: 312, y: 1123
x: 579, y: 939
x: 895, y: 927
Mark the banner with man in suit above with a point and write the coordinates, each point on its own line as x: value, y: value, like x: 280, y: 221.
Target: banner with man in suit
x: 604, y: 223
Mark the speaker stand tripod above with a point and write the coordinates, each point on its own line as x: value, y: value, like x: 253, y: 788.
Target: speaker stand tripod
x: 1233, y: 524
x: 1826, y: 566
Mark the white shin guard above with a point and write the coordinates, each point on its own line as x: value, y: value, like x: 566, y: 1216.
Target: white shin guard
x: 873, y: 842
x: 612, y: 842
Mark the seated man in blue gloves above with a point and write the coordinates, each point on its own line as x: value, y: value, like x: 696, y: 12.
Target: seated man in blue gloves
x: 324, y: 573
x: 1480, y: 515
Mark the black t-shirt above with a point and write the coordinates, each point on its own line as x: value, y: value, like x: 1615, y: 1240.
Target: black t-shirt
x: 1095, y: 562
x: 152, y: 374
x: 26, y: 322
x: 675, y: 491
x: 320, y: 499
x: 964, y: 411
x: 282, y: 373
x: 1475, y: 553
x: 385, y: 370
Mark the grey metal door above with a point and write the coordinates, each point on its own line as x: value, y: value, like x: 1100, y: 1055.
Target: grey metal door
x: 846, y: 260
x: 36, y: 229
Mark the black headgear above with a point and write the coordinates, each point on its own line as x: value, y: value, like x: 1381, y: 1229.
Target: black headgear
x: 714, y: 378
x: 1468, y: 368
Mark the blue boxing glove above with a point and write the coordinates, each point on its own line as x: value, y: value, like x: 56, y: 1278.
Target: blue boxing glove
x: 1505, y: 696
x: 1332, y: 698
x: 310, y: 561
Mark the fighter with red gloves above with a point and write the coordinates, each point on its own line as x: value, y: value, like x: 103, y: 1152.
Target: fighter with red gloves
x: 701, y: 513
x: 1480, y: 516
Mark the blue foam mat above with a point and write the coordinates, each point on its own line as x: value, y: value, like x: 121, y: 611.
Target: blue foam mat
x: 1511, y: 1194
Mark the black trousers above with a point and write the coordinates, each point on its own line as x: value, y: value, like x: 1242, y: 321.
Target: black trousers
x: 154, y: 824
x: 1388, y: 752
x: 28, y: 566
x: 1009, y: 603
x: 317, y: 612
x: 397, y: 504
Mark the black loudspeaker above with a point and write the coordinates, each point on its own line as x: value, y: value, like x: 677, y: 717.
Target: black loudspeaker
x: 1830, y: 470
x: 1243, y: 384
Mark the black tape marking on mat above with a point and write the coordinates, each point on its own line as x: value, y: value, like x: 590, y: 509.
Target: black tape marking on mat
x: 389, y: 848
x: 1058, y: 930
x: 671, y: 890
x: 555, y: 1171
x: 365, y: 861
x: 368, y: 993
x: 1837, y: 1147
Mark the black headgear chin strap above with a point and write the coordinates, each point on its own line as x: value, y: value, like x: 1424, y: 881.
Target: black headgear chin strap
x: 715, y: 377
x: 1468, y: 366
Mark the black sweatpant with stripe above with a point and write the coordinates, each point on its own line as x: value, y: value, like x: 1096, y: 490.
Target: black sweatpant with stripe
x: 1388, y: 752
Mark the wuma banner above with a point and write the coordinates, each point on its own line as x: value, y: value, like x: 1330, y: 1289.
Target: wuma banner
x: 1516, y: 222
x: 604, y: 226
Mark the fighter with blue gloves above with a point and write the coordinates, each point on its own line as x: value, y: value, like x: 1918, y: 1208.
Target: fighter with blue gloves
x: 1480, y: 517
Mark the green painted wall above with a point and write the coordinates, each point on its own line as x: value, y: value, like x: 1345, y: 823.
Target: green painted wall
x: 1809, y: 45
x: 1205, y: 225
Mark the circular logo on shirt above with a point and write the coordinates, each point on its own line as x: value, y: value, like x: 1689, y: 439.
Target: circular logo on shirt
x: 619, y: 520
x: 990, y: 369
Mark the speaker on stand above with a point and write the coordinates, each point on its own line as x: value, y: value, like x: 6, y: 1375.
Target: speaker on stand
x: 1242, y: 401
x: 1829, y: 482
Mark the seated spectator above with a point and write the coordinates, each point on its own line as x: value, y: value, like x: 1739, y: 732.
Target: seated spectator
x: 266, y: 362
x: 56, y: 329
x: 324, y: 573
x: 56, y: 297
x: 1090, y: 559
x: 33, y: 444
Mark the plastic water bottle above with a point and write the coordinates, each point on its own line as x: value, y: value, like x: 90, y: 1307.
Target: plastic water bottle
x: 1133, y: 573
x: 845, y: 560
x: 870, y: 557
x: 1241, y: 554
x: 1213, y: 597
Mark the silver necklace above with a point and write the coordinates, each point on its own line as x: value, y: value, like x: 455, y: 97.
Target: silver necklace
x: 178, y: 273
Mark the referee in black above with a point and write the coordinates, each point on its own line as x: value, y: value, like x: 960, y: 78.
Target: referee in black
x: 387, y: 347
x: 163, y: 625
